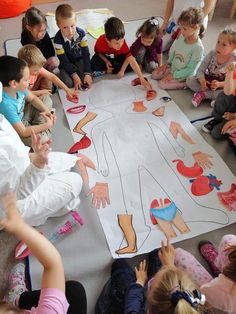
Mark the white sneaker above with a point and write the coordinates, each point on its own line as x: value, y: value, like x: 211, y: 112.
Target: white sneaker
x: 213, y: 103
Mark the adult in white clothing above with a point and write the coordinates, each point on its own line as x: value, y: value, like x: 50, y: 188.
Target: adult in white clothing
x: 172, y: 12
x: 43, y: 181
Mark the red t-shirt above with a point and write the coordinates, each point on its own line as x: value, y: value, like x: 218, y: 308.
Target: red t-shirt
x: 102, y: 47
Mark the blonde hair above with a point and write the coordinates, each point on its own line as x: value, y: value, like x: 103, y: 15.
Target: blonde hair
x: 31, y: 55
x: 6, y: 308
x: 165, y: 282
x: 230, y: 32
x: 64, y: 11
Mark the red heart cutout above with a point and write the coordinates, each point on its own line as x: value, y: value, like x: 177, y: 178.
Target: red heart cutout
x: 201, y: 186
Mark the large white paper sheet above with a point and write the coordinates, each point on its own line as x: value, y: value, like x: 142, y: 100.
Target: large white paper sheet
x: 162, y: 178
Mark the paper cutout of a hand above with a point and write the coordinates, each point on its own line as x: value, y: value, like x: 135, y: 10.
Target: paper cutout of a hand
x: 203, y: 159
x: 100, y: 194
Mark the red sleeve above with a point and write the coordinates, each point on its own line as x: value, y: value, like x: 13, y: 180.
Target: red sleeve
x: 234, y: 75
x: 101, y: 45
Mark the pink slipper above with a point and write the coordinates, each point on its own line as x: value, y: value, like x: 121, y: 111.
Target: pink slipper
x: 209, y: 253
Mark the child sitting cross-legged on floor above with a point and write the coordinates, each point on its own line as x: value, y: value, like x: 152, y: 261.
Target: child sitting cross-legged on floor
x: 210, y: 78
x: 34, y: 115
x: 169, y: 289
x: 112, y: 55
x: 53, y: 297
x: 224, y: 108
x: 185, y: 54
x: 71, y: 47
x: 36, y: 61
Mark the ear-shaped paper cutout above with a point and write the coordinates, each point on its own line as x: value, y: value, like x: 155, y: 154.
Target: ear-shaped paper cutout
x: 159, y: 112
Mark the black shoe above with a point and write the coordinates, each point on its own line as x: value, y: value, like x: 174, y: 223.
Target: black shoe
x: 154, y: 263
x: 54, y: 89
x: 209, y: 126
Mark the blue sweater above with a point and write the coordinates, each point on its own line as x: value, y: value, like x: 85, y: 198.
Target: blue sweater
x: 70, y: 51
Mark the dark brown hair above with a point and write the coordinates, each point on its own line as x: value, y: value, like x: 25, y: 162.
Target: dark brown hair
x: 150, y: 28
x: 33, y: 17
x: 114, y: 29
x: 192, y: 17
x: 11, y: 69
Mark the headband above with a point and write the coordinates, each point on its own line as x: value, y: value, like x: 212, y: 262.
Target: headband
x: 194, y: 298
x: 154, y: 22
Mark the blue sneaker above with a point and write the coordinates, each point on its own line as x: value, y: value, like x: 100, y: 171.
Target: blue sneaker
x: 98, y: 73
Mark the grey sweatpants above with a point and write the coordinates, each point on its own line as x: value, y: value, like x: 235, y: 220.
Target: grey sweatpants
x: 193, y: 84
x: 223, y: 104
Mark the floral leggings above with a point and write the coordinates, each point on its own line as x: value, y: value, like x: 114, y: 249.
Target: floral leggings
x: 186, y: 261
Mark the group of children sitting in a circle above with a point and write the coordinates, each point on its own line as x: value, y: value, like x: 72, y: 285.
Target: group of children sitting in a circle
x: 29, y: 79
x: 186, y: 67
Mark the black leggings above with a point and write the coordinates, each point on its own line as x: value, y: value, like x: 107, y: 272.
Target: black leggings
x: 75, y: 294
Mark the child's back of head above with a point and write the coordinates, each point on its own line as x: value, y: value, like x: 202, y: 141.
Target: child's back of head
x: 230, y: 270
x: 11, y: 69
x: 6, y: 308
x: 31, y: 55
x: 114, y: 29
x: 173, y: 291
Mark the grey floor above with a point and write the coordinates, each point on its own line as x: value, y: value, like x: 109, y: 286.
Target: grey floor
x: 85, y: 253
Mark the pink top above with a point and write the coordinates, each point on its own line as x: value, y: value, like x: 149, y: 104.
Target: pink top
x: 52, y: 301
x: 221, y: 294
x: 33, y: 78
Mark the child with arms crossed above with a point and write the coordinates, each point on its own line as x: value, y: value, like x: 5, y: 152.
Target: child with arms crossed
x: 14, y: 76
x: 185, y: 54
x: 35, y: 60
x: 112, y: 55
x: 72, y: 49
x: 52, y: 297
x: 210, y: 77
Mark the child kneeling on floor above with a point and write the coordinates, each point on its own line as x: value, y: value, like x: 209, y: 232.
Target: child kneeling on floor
x: 52, y: 297
x: 224, y: 108
x: 185, y: 54
x: 210, y: 78
x: 36, y: 61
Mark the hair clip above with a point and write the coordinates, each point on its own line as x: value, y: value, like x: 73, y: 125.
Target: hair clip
x: 154, y: 22
x: 76, y: 109
x: 194, y: 298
